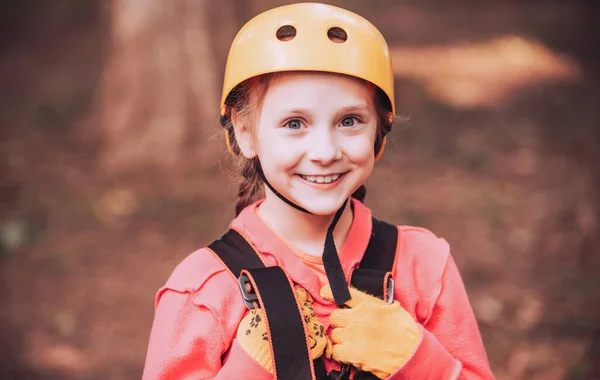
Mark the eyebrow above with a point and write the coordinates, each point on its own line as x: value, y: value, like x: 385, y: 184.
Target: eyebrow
x: 355, y: 108
x: 352, y: 108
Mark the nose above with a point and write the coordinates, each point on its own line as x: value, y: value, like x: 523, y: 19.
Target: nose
x: 323, y: 146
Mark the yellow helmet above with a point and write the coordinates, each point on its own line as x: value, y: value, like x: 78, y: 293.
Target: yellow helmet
x: 309, y: 37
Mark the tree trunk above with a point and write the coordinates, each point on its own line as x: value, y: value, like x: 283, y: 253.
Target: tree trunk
x: 161, y: 86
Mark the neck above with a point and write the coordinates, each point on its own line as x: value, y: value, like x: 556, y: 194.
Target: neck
x: 305, y: 232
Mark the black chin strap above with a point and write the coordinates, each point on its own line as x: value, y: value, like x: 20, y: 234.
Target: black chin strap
x: 258, y: 168
x: 332, y: 264
x: 331, y: 260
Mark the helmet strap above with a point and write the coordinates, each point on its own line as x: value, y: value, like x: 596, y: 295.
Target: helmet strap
x: 332, y: 264
x: 258, y: 168
x: 331, y: 259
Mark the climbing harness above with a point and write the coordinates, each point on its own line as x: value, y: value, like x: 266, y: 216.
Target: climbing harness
x: 271, y: 289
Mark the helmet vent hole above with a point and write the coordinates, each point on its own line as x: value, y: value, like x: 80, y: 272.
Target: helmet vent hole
x: 337, y: 35
x: 286, y: 33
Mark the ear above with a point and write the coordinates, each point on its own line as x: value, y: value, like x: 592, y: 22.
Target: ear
x: 243, y: 134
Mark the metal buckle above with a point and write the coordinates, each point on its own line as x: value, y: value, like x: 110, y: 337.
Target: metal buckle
x: 248, y: 298
x: 390, y: 290
x: 342, y: 374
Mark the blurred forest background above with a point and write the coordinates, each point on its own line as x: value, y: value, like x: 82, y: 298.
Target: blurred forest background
x: 112, y: 169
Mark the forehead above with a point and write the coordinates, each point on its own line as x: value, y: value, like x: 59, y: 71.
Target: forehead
x: 317, y: 89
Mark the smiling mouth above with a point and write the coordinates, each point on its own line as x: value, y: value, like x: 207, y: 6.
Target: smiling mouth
x: 324, y: 179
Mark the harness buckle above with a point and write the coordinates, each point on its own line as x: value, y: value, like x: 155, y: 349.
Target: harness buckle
x: 248, y: 296
x: 342, y: 374
x: 390, y: 290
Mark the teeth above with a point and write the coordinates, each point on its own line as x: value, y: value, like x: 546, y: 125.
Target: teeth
x: 321, y: 179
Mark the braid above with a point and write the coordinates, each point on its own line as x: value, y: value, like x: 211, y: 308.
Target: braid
x: 250, y: 186
x: 245, y: 98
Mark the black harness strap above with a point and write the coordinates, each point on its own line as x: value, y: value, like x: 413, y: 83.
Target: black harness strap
x: 236, y: 253
x: 284, y: 320
x: 272, y: 290
x: 360, y: 375
x: 378, y: 261
x: 333, y: 266
x: 374, y: 272
x: 381, y: 251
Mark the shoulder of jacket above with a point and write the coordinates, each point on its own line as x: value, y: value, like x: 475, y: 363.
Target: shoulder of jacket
x: 420, y: 243
x: 205, y: 280
x: 423, y: 256
x: 420, y: 265
x: 195, y: 270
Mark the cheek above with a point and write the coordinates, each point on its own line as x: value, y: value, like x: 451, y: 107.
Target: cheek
x: 361, y: 150
x: 276, y: 152
x: 366, y: 164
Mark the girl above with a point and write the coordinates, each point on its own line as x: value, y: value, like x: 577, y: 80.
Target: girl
x: 307, y: 101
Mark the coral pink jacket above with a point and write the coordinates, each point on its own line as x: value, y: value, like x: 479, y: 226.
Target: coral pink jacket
x: 199, y: 308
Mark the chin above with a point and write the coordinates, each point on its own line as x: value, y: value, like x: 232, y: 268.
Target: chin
x: 322, y: 207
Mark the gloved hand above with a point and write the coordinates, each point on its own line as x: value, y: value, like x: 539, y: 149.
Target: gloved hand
x: 371, y: 334
x: 252, y: 332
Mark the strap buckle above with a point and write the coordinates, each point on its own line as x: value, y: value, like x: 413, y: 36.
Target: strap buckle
x: 249, y: 297
x: 390, y: 290
x: 342, y: 374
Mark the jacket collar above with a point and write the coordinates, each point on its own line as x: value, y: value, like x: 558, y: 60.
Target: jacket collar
x: 275, y: 251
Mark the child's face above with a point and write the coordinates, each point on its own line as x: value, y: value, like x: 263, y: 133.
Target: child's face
x: 315, y: 138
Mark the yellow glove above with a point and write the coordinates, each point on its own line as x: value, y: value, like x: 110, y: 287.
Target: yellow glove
x: 371, y: 334
x: 252, y: 332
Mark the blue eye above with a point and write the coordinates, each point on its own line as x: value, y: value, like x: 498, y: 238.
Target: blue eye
x: 294, y: 124
x: 348, y: 121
